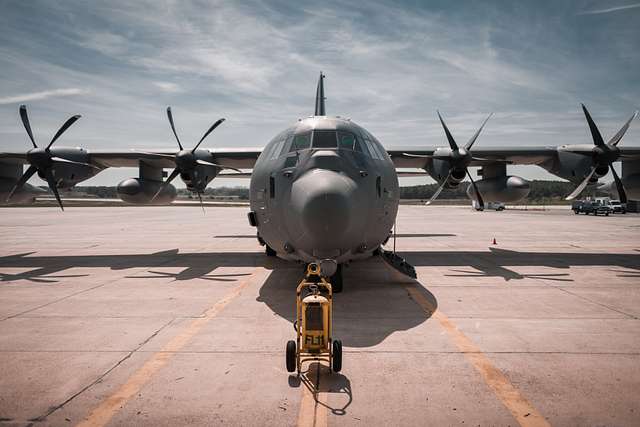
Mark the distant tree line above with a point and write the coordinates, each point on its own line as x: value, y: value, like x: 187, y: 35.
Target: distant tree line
x: 541, y: 192
x: 105, y: 192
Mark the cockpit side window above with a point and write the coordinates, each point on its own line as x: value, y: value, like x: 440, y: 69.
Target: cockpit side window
x: 301, y: 141
x: 277, y: 147
x: 346, y: 140
x: 361, y: 147
x: 372, y: 148
x: 324, y: 139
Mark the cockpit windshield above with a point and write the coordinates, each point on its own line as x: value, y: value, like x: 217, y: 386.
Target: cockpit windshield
x: 324, y: 139
x: 342, y: 140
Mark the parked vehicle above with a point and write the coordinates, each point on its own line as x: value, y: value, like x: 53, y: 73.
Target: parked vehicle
x: 595, y: 207
x: 618, y: 207
x: 498, y: 206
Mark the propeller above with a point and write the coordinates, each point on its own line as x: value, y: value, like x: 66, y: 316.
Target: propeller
x: 41, y: 160
x: 186, y: 160
x: 458, y: 158
x: 603, y: 154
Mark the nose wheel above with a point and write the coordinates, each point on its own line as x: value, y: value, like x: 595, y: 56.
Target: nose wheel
x: 269, y: 250
x: 336, y: 280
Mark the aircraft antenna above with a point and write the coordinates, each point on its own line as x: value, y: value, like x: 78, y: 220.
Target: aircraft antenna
x: 320, y: 108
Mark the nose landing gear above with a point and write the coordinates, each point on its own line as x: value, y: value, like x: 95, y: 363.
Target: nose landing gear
x: 313, y: 324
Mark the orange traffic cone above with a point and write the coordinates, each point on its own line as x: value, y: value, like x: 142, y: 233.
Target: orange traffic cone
x: 494, y: 241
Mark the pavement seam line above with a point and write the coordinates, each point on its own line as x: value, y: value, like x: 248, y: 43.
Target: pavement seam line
x: 313, y: 405
x: 521, y: 409
x: 102, y: 376
x: 104, y: 412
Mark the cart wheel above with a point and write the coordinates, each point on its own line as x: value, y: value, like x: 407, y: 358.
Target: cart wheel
x: 337, y: 355
x: 291, y: 356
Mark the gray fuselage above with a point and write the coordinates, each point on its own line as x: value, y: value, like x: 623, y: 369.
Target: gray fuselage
x: 324, y: 188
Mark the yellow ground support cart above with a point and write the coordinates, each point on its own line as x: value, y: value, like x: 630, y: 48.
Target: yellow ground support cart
x: 313, y: 324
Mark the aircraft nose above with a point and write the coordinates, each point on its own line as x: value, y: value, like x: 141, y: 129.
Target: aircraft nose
x: 324, y: 200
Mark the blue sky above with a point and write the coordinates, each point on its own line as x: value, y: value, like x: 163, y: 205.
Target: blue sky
x: 389, y: 67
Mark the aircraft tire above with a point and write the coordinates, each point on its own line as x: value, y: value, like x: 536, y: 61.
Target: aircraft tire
x: 337, y: 356
x: 336, y: 281
x: 291, y: 356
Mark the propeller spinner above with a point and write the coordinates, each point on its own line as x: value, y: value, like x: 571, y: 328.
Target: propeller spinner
x: 41, y: 160
x: 459, y: 159
x: 186, y: 160
x: 603, y: 154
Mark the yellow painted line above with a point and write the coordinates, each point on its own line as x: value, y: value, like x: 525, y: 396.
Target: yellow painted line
x: 522, y: 410
x: 102, y: 414
x: 313, y: 405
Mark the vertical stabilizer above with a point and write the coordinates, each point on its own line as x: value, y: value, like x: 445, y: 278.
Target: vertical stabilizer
x: 320, y: 110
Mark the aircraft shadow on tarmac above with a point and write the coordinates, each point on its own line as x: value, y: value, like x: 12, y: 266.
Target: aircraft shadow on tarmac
x: 374, y: 303
x: 493, y: 263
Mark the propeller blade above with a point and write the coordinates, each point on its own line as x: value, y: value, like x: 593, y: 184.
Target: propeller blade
x: 213, y: 126
x: 595, y: 133
x: 71, y: 120
x: 60, y: 159
x: 201, y: 204
x: 203, y: 162
x: 173, y: 175
x: 582, y: 185
x: 476, y: 191
x: 475, y: 136
x: 618, y: 136
x: 439, y: 190
x: 452, y: 142
x: 25, y: 121
x: 23, y: 179
x: 52, y: 186
x: 621, y: 193
x: 173, y: 128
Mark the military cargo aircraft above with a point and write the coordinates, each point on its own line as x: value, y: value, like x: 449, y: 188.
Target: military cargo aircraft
x: 324, y: 189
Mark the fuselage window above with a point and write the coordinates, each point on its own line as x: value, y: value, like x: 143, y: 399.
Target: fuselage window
x: 324, y: 139
x: 301, y: 141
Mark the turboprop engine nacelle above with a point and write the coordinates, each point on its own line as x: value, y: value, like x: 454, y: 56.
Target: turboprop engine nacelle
x: 440, y: 169
x: 139, y: 191
x: 505, y: 189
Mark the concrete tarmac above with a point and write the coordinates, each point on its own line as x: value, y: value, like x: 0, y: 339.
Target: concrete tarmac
x: 158, y: 316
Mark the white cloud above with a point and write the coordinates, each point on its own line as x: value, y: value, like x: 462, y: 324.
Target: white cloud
x: 610, y: 9
x: 168, y: 87
x: 37, y: 96
x: 105, y: 43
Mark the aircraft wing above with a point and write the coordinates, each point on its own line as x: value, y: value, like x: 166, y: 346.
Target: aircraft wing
x: 407, y: 157
x: 240, y: 158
